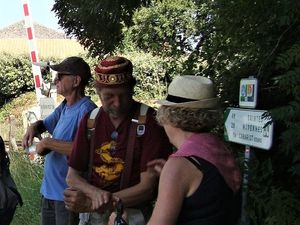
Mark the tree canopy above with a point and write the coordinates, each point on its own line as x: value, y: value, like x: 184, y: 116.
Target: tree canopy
x: 96, y: 24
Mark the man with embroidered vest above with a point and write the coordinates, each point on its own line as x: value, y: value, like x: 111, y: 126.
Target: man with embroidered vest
x: 111, y: 149
x: 72, y: 77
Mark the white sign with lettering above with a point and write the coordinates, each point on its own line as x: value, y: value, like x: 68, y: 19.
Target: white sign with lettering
x: 248, y: 127
x: 47, y: 106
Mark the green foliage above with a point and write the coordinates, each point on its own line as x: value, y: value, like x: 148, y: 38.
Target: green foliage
x: 270, y: 203
x: 28, y: 178
x: 172, y: 30
x: 96, y: 24
x: 288, y: 81
x: 149, y: 73
x: 261, y: 38
x: 166, y: 28
x: 288, y: 58
x: 15, y: 76
x: 15, y: 107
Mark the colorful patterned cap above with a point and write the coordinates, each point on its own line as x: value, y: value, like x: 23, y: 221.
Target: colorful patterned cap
x: 114, y: 71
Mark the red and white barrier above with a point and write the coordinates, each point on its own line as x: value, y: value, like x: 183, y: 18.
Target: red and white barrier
x: 36, y: 70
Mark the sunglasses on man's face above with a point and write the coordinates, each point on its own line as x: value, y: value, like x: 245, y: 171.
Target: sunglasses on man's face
x: 59, y: 76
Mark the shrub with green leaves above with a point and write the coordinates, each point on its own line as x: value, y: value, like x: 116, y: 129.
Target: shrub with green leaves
x: 149, y: 72
x: 15, y: 76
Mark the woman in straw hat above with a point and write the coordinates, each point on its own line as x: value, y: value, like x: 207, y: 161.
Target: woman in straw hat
x: 199, y: 183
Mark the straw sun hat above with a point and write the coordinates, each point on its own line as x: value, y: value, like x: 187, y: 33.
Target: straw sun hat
x: 191, y: 92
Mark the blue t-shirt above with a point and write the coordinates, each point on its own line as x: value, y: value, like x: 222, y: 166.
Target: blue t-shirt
x: 62, y: 124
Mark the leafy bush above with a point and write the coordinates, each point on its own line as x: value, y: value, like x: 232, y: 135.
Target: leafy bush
x: 15, y: 76
x: 149, y: 73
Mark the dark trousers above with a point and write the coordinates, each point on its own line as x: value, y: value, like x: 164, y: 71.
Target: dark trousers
x: 6, y: 216
x: 54, y: 213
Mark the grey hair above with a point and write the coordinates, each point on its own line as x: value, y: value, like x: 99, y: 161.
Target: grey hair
x: 188, y: 119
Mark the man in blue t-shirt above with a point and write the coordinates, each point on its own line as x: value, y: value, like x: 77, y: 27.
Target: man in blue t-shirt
x: 72, y: 77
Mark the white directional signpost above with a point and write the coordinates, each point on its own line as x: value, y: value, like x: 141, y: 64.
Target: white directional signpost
x: 248, y: 127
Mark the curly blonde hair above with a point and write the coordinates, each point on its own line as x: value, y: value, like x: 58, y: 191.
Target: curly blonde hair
x: 188, y: 119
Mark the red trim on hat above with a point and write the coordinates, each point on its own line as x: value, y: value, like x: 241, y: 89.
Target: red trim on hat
x: 112, y: 79
x: 114, y: 65
x: 114, y: 71
x: 103, y: 85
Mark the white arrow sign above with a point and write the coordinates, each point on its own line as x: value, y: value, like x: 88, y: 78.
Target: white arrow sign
x: 248, y: 127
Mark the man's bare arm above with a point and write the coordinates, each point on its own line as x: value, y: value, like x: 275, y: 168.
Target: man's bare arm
x: 47, y: 144
x: 140, y: 192
x: 99, y: 197
x: 34, y: 130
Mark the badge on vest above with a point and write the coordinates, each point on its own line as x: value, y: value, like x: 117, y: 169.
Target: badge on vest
x: 140, y: 130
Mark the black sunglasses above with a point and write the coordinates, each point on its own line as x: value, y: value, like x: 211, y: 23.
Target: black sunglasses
x: 59, y: 76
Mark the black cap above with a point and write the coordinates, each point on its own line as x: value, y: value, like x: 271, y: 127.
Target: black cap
x: 74, y: 66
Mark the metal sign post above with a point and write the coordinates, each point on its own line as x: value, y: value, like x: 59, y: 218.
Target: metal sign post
x: 248, y: 127
x: 247, y: 156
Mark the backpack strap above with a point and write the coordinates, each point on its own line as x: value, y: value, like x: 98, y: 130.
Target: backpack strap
x: 143, y: 113
x: 137, y: 129
x: 140, y: 130
x: 92, y: 117
x: 90, y: 136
